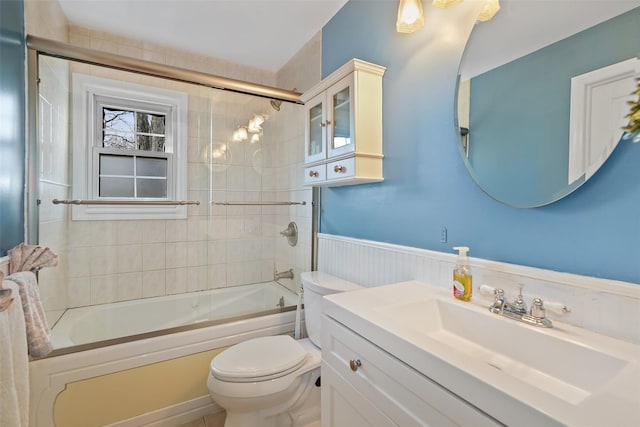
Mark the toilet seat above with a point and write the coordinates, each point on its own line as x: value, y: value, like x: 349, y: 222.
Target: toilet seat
x: 259, y: 359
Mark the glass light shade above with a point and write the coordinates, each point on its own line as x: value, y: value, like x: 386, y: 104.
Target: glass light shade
x: 255, y: 138
x: 242, y: 133
x: 253, y: 127
x: 443, y: 4
x: 410, y: 16
x: 255, y: 122
x: 491, y: 7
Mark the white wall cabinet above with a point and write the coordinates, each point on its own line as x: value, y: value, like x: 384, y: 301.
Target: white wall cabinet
x: 364, y: 385
x: 343, y: 130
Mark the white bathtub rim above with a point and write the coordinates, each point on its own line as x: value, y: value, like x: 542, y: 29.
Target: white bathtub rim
x: 63, y: 330
x: 49, y: 377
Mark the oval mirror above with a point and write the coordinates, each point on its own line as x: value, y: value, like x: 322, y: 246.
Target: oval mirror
x: 542, y: 95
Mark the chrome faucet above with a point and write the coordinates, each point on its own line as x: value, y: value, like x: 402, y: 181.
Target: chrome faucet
x: 518, y: 310
x: 500, y: 304
x: 282, y: 274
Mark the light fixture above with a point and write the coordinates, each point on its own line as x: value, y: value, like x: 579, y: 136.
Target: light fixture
x: 443, y: 4
x: 255, y: 122
x: 410, y: 16
x: 255, y: 138
x: 491, y: 7
x: 240, y: 134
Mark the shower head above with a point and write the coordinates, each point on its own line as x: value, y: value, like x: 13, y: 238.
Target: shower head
x: 275, y: 104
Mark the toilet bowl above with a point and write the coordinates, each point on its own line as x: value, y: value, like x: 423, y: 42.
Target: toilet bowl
x: 275, y: 381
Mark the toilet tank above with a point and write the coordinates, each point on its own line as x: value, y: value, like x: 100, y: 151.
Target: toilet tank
x: 316, y: 285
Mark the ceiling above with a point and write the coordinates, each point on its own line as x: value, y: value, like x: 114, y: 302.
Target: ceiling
x: 259, y: 33
x: 529, y: 25
x: 266, y: 33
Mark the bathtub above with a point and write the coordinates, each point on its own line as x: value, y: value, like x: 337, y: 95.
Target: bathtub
x: 242, y: 312
x: 105, y: 322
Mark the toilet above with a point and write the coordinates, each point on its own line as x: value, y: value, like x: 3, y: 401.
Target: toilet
x: 275, y: 381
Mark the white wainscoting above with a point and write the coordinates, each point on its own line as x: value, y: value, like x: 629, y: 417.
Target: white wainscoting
x: 608, y: 307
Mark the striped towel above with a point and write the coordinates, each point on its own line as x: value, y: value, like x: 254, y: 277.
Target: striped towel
x: 30, y: 258
x: 38, y: 334
x: 6, y: 295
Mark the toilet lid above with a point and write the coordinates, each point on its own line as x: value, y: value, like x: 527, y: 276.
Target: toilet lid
x: 259, y: 359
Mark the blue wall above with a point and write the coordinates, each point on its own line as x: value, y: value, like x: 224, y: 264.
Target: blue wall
x: 531, y: 168
x: 594, y: 231
x: 12, y: 124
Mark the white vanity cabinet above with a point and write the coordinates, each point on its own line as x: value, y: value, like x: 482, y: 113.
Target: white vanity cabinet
x: 343, y: 126
x: 363, y: 385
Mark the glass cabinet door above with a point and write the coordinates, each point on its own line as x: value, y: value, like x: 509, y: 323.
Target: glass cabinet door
x: 340, y: 99
x: 341, y: 134
x: 316, y: 129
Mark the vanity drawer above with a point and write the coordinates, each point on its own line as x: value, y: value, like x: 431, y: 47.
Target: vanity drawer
x: 402, y: 394
x: 341, y: 169
x: 314, y: 174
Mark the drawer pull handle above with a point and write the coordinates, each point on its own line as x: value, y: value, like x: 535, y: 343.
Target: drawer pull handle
x: 354, y: 364
x: 339, y: 169
x: 313, y: 174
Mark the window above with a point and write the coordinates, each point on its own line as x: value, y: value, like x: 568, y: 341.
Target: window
x: 129, y: 144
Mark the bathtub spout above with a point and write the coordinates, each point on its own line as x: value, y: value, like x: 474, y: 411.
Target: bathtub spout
x: 283, y: 274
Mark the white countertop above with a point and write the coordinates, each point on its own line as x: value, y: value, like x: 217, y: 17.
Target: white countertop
x: 377, y: 315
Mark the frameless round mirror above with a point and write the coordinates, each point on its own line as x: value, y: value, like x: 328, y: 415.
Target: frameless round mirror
x: 526, y: 139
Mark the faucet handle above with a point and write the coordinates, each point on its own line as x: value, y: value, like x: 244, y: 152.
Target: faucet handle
x: 486, y: 289
x: 498, y: 302
x: 519, y: 302
x: 537, y: 309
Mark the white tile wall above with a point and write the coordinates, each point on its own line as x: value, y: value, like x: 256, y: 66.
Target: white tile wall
x: 605, y: 306
x: 216, y: 246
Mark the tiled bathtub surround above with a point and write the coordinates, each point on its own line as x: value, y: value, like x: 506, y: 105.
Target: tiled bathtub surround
x: 605, y: 306
x: 215, y: 246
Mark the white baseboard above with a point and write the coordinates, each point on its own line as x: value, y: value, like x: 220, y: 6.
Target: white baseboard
x: 174, y: 415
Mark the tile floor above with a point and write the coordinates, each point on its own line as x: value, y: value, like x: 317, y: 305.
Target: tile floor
x: 212, y: 420
x: 217, y: 420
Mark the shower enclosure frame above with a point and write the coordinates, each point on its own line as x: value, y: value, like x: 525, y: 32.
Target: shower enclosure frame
x: 37, y: 46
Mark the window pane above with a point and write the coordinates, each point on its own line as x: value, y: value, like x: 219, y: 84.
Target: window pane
x: 122, y: 140
x: 150, y: 123
x: 152, y: 187
x: 151, y: 143
x: 149, y: 166
x: 116, y: 187
x: 118, y: 119
x: 116, y: 165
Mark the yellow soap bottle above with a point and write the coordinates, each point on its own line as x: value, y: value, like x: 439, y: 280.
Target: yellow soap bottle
x: 462, y: 280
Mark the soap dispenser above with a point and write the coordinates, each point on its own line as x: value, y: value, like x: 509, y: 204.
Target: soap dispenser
x: 462, y: 285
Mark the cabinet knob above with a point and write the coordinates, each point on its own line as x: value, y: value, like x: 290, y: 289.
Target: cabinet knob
x: 313, y: 174
x: 354, y: 364
x: 339, y: 169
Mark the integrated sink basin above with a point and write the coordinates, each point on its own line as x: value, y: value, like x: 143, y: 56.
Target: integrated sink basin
x: 517, y: 373
x: 569, y: 370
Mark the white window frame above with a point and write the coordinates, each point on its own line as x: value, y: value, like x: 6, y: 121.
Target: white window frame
x: 90, y: 95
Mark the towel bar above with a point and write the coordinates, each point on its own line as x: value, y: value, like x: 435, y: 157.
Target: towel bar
x: 126, y: 202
